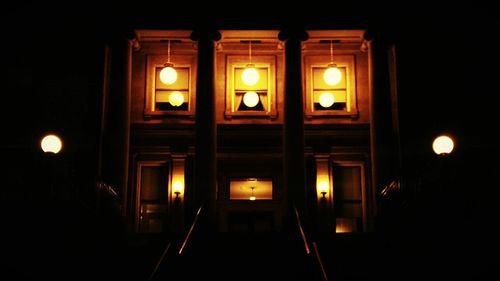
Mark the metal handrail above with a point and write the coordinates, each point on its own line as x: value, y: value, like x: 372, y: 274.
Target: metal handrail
x: 306, y: 246
x: 153, y: 273
x: 186, y: 239
x: 302, y: 234
x: 159, y: 262
x: 320, y: 262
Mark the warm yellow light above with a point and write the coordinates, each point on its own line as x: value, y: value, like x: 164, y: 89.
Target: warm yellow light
x: 332, y: 75
x: 251, y: 99
x: 326, y: 99
x: 168, y: 75
x: 323, y: 186
x: 51, y: 143
x: 252, y: 197
x: 250, y: 75
x: 176, y: 98
x: 443, y: 145
x: 178, y: 186
x: 339, y: 228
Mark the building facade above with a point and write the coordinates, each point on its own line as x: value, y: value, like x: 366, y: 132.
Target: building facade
x: 252, y: 125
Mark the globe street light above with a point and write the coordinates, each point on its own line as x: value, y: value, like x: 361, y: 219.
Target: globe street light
x: 51, y: 144
x: 443, y: 145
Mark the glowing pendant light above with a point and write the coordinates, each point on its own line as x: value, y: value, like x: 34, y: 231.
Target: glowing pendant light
x: 168, y: 75
x: 326, y: 99
x: 251, y: 99
x: 332, y: 75
x: 176, y: 98
x: 252, y: 197
x: 250, y: 75
x: 323, y: 188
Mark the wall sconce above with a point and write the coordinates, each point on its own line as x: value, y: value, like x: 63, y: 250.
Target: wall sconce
x: 252, y: 197
x: 178, y: 178
x: 323, y: 188
x: 168, y: 74
x: 177, y: 187
x: 323, y: 182
x: 250, y: 75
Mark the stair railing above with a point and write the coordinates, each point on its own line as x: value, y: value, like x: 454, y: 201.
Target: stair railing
x: 188, y: 235
x: 181, y: 249
x: 317, y: 257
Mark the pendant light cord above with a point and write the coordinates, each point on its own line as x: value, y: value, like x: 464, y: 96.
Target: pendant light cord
x: 331, y: 51
x: 250, y: 51
x: 168, y: 51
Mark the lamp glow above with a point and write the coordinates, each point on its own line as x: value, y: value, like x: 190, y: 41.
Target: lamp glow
x: 443, y: 145
x: 323, y: 187
x: 252, y: 197
x: 177, y: 187
x: 168, y: 75
x: 332, y: 75
x: 326, y: 99
x: 51, y: 143
x: 176, y: 98
x: 250, y: 75
x: 251, y: 99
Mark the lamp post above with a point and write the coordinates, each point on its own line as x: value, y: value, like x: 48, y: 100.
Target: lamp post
x: 51, y: 145
x: 443, y: 146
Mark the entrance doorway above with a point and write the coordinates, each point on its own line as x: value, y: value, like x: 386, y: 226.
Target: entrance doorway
x: 251, y: 221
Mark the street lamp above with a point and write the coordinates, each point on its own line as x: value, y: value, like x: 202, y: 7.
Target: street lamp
x: 51, y: 144
x: 443, y: 145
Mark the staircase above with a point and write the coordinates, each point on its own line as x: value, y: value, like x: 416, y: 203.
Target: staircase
x: 240, y: 256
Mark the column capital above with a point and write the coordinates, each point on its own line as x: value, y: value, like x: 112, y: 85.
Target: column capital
x: 210, y: 34
x: 289, y: 33
x: 380, y: 35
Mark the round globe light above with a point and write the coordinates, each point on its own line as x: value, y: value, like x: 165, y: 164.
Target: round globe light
x: 332, y: 76
x: 326, y: 99
x: 251, y: 99
x: 51, y: 144
x: 250, y: 76
x: 168, y: 75
x: 176, y: 98
x: 443, y: 145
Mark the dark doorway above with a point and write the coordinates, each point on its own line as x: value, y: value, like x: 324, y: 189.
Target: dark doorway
x: 251, y: 222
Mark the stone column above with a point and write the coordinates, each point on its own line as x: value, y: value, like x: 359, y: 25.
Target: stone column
x: 205, y: 161
x: 385, y: 154
x: 293, y: 126
x: 114, y: 158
